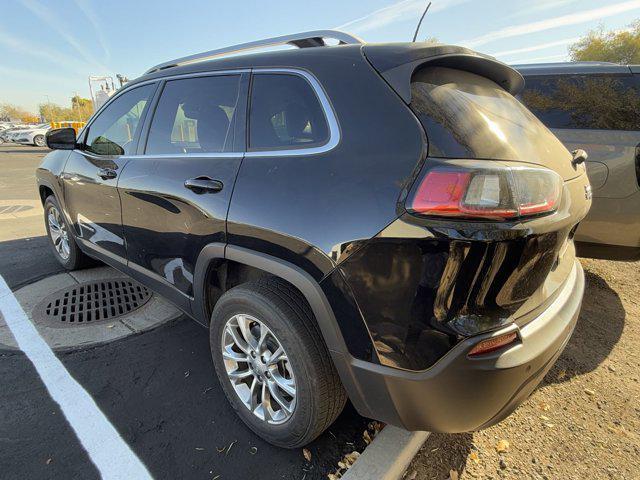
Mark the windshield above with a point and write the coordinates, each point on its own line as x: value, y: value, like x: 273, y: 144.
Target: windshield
x: 468, y: 116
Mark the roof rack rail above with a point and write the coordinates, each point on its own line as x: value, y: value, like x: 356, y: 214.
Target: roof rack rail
x: 313, y: 38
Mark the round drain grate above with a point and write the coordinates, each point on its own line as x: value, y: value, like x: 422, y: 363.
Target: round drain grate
x: 93, y: 301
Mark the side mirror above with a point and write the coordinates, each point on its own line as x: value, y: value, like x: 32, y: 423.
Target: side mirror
x: 61, y: 138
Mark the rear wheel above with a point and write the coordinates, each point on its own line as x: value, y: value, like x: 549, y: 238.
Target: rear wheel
x: 61, y: 240
x: 273, y: 364
x: 39, y: 141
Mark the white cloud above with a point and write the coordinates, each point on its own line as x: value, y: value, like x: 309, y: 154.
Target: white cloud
x: 397, y: 12
x: 40, y: 52
x: 88, y: 12
x: 36, y: 76
x: 562, y: 21
x: 50, y: 19
x: 540, y: 6
x: 535, y: 48
x: 555, y: 58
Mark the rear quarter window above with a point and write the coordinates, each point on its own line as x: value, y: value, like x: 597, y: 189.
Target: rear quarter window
x: 285, y: 113
x: 600, y: 102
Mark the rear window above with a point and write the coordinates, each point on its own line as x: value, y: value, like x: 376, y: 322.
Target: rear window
x: 285, y: 113
x: 603, y: 102
x: 469, y: 116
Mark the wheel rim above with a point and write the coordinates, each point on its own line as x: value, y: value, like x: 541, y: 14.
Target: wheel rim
x: 39, y: 141
x: 58, y: 233
x: 259, y: 369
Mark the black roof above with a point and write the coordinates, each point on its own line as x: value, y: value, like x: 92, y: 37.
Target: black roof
x: 295, y: 57
x: 396, y: 62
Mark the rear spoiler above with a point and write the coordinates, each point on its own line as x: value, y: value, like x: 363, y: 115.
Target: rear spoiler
x: 396, y: 63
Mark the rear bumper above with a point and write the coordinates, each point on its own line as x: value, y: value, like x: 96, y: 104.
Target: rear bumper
x: 460, y: 394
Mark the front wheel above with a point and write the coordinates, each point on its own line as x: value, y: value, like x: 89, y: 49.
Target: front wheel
x: 39, y: 141
x: 273, y: 364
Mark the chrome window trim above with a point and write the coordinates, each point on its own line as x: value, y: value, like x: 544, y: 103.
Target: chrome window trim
x: 158, y: 80
x: 327, y: 108
x: 329, y: 114
x: 187, y: 155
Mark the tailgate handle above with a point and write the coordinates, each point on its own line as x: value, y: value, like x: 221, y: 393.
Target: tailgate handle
x: 579, y: 156
x: 203, y: 184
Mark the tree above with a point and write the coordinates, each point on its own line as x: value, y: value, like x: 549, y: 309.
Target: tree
x: 614, y: 46
x: 80, y: 111
x: 11, y: 112
x: 83, y: 108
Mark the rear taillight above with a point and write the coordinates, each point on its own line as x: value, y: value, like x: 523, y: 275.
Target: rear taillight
x: 492, y: 344
x: 486, y: 192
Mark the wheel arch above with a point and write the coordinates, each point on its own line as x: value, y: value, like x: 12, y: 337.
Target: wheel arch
x: 305, y: 283
x: 45, y: 191
x: 308, y: 287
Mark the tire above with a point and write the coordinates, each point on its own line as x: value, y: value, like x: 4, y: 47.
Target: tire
x: 71, y: 258
x: 319, y: 395
x: 39, y: 141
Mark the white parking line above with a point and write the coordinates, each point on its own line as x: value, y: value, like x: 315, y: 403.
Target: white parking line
x: 107, y: 450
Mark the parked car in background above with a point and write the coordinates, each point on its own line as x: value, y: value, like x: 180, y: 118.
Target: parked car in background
x: 32, y: 136
x: 7, y: 134
x: 384, y: 222
x: 596, y: 107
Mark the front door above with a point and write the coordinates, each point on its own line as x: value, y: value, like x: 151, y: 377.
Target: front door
x: 92, y: 171
x: 176, y: 192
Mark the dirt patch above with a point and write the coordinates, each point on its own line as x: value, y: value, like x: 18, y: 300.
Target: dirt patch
x: 584, y: 419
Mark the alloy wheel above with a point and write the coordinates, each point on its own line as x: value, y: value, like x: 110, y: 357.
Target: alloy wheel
x: 58, y: 233
x: 259, y: 369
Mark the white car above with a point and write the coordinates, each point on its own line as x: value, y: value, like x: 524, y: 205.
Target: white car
x: 31, y: 136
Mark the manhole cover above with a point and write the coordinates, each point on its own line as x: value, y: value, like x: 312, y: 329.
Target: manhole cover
x: 92, y: 301
x: 12, y: 209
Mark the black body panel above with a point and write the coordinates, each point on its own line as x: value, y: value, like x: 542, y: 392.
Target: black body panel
x: 383, y: 285
x: 310, y: 208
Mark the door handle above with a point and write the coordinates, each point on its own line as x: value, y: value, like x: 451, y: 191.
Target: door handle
x: 107, y: 173
x: 203, y: 184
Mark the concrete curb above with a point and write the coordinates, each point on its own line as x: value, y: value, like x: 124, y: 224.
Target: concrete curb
x: 388, y: 456
x: 154, y: 313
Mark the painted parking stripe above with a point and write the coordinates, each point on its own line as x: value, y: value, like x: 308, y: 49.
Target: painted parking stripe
x: 107, y: 450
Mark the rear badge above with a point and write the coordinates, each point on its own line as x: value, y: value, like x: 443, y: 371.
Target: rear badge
x: 587, y: 192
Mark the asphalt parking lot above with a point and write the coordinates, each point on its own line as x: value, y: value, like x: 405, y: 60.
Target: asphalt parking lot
x: 157, y: 388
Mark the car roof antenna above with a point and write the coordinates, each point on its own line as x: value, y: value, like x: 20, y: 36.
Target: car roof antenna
x: 415, y: 35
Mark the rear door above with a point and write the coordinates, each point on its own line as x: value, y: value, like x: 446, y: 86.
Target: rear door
x: 176, y: 191
x: 600, y: 114
x: 91, y: 172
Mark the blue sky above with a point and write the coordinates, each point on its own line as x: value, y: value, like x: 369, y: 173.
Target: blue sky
x: 50, y: 48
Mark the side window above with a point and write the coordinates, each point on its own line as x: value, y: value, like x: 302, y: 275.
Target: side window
x: 285, y: 113
x: 113, y: 131
x: 605, y: 102
x: 195, y: 115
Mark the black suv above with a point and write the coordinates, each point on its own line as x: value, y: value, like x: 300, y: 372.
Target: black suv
x: 384, y: 223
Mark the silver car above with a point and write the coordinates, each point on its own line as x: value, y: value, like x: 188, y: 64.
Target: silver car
x: 595, y: 106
